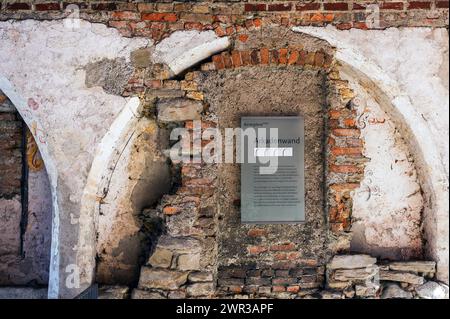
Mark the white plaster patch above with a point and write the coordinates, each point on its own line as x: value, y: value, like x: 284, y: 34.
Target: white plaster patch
x: 406, y: 70
x: 183, y: 49
x: 387, y: 207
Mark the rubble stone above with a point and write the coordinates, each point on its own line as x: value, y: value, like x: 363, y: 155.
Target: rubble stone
x: 401, y: 277
x: 161, y: 258
x: 414, y: 266
x: 393, y: 291
x: 143, y: 294
x: 351, y: 261
x: 113, y: 292
x: 189, y: 262
x: 161, y: 278
x: 200, y: 289
x: 433, y: 290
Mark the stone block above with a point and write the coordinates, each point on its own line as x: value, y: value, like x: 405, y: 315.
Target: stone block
x: 161, y: 258
x: 189, y: 262
x: 401, y: 277
x: 143, y: 294
x: 179, y: 109
x: 114, y: 292
x: 161, y: 279
x: 393, y: 291
x: 200, y: 277
x: 433, y: 290
x: 361, y: 274
x: 179, y: 244
x: 414, y: 266
x: 351, y: 262
x: 200, y: 289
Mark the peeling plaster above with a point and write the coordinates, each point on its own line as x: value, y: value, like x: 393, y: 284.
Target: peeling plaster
x: 183, y: 49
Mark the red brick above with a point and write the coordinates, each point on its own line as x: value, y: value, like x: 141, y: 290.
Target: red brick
x: 308, y: 7
x: 283, y: 247
x: 359, y: 6
x: 257, y: 232
x: 246, y: 58
x: 125, y: 15
x: 319, y: 17
x: 47, y: 6
x: 166, y: 17
x: 227, y: 60
x: 350, y: 122
x: 243, y: 37
x: 104, y: 6
x: 278, y: 288
x: 302, y: 57
x: 335, y: 6
x: 229, y: 30
x: 18, y: 6
x: 293, y: 57
x: 345, y: 169
x: 255, y: 7
x: 293, y: 289
x: 348, y: 132
x: 392, y: 5
x: 193, y: 26
x: 236, y: 58
x: 283, y: 56
x: 218, y: 61
x: 274, y: 57
x: 256, y: 250
x: 171, y: 210
x: 279, y: 7
x: 344, y: 187
x: 442, y: 4
x: 419, y: 5
x: 280, y: 256
x: 220, y: 31
x: 257, y: 23
x: 339, y: 151
x: 118, y: 24
x: 264, y: 54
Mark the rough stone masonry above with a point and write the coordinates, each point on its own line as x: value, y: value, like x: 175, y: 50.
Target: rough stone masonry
x: 101, y: 84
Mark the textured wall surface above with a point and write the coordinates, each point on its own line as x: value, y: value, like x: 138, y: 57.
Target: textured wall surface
x: 73, y: 97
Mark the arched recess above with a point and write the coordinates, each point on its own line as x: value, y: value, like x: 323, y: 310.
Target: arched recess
x: 25, y: 109
x: 392, y: 97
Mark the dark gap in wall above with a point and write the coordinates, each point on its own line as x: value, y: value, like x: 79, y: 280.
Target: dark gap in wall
x: 24, y: 189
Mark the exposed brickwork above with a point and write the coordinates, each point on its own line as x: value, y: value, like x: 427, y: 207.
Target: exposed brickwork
x: 10, y: 149
x: 288, y: 273
x: 157, y: 19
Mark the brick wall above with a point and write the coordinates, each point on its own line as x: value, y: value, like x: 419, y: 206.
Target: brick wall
x: 280, y: 269
x: 10, y: 149
x: 157, y: 19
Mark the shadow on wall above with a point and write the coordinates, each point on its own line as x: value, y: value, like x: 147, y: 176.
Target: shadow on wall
x: 141, y: 177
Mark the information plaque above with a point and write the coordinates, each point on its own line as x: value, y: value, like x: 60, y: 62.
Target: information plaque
x: 272, y: 170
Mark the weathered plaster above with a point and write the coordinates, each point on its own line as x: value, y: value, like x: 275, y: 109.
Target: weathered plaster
x: 405, y: 71
x: 183, y: 49
x: 140, y: 177
x: 387, y: 207
x: 42, y: 71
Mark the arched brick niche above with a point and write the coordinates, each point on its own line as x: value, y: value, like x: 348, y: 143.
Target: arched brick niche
x: 25, y: 205
x: 293, y: 75
x: 206, y: 251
